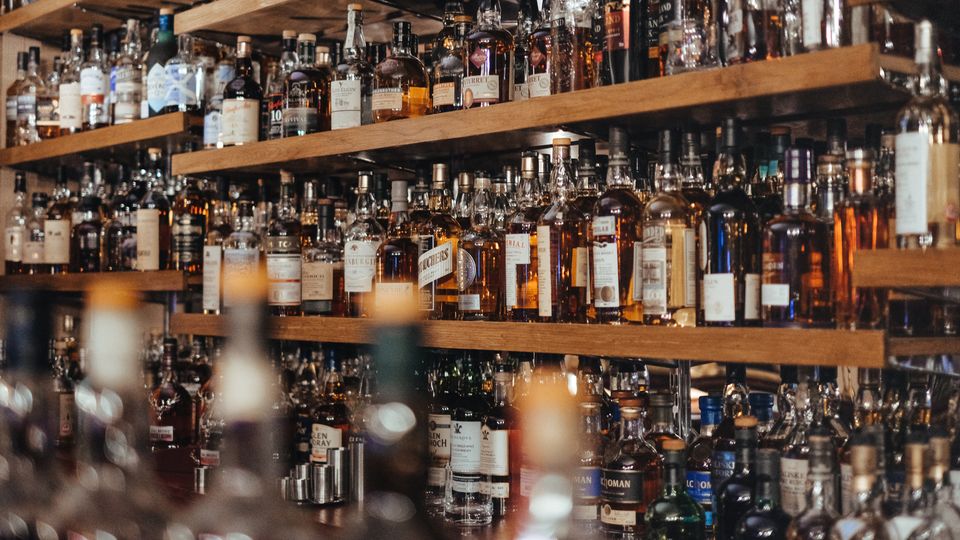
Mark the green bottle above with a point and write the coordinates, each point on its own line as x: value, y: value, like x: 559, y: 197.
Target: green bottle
x: 674, y: 514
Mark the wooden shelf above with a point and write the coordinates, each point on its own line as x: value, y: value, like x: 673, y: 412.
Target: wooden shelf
x: 160, y: 281
x: 803, y: 85
x: 896, y: 268
x: 46, y: 20
x: 112, y: 141
x: 866, y: 348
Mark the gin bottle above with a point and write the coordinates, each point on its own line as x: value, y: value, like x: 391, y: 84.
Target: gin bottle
x: 361, y: 241
x: 184, y: 85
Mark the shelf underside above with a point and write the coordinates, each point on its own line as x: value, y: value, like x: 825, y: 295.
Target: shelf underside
x: 160, y: 281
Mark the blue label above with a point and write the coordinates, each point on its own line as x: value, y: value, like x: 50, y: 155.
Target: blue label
x: 698, y: 486
x: 587, y: 480
x: 722, y: 467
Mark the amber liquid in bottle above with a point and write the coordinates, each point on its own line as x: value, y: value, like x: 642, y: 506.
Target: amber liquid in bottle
x: 520, y: 248
x: 401, y: 88
x: 480, y: 267
x: 489, y: 67
x: 630, y: 478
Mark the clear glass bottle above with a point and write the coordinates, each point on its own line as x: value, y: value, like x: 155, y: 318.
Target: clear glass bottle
x: 48, y: 102
x: 240, y: 119
x: 590, y: 449
x: 397, y: 256
x: 171, y: 407
x: 153, y: 218
x: 220, y: 226
x: 183, y: 85
x: 28, y: 93
x: 820, y: 514
x: 351, y: 91
x: 12, y: 99
x: 521, y: 42
x: 439, y: 251
x: 401, y: 87
x: 465, y: 503
x: 95, y: 83
x: 189, y: 226
x: 86, y: 237
x: 864, y: 520
x: 127, y: 77
x: 223, y: 73
x: 281, y: 248
x: 462, y: 205
x: 520, y: 246
x: 942, y: 519
x: 822, y: 23
x: 794, y: 461
x: 15, y: 227
x: 488, y: 78
x: 361, y: 241
x: 322, y: 274
x: 692, y: 37
x: 71, y: 105
x: 34, y: 262
x: 765, y: 519
x: 241, y: 254
x: 273, y: 91
x: 163, y: 48
x: 306, y: 93
x: 449, y: 68
x: 480, y: 263
x: 573, y: 63
x: 913, y: 496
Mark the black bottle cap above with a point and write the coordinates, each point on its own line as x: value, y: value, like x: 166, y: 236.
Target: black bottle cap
x: 28, y: 326
x: 798, y: 165
x: 587, y: 153
x: 325, y: 212
x: 666, y: 145
x: 402, y: 34
x: 836, y: 128
x: 619, y: 143
x: 690, y: 145
x: 223, y: 188
x: 96, y: 34
x: 64, y: 174
x: 736, y: 373
x: 113, y: 41
x: 768, y: 463
x: 333, y: 188
x: 22, y: 60
x: 20, y: 182
x: 730, y: 137
x: 376, y: 52
x: 873, y: 133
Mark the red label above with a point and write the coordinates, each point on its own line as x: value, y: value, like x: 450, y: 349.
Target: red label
x: 617, y: 22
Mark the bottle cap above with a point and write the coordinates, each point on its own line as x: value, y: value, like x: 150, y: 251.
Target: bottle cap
x: 797, y: 165
x: 355, y: 7
x: 730, y: 134
x: 166, y: 11
x: 666, y: 141
x: 561, y: 141
x: 528, y: 164
x: 286, y: 177
x: 924, y: 41
x: 836, y: 128
x: 465, y: 181
x: 364, y: 179
x: 761, y: 403
x: 76, y: 32
x: 690, y: 146
x: 398, y: 191
x: 768, y: 463
x: 310, y: 38
x: 440, y: 175
x: 829, y: 164
x: 861, y: 154
x: 22, y: 60
x: 661, y: 399
x: 745, y: 422
x: 34, y: 55
x: 482, y: 181
x: 619, y: 143
x: 243, y: 39
x: 289, y: 34
x: 39, y: 199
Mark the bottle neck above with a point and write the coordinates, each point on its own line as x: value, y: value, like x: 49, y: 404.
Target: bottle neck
x: 667, y: 174
x: 795, y: 196
x: 929, y: 78
x: 354, y: 46
x: 707, y: 430
x: 501, y: 388
x: 820, y: 496
x: 482, y: 210
x: 590, y: 423
x: 632, y: 428
x: 619, y: 175
x: 768, y: 492
x: 307, y: 53
x: 488, y: 18
x: 529, y: 189
x: 674, y: 478
x: 165, y: 28
x: 365, y: 204
x: 439, y: 199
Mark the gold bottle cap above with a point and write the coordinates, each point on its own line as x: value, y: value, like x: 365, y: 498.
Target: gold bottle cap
x: 355, y: 7
x: 166, y: 11
x: 561, y: 141
x: 673, y: 445
x: 286, y: 177
x: 863, y: 459
x: 745, y: 422
x: 307, y: 37
x: 440, y: 174
x: 939, y: 457
x: 289, y: 34
x: 461, y: 19
x: 528, y: 165
x: 76, y: 32
x: 465, y: 180
x: 243, y: 39
x: 482, y: 182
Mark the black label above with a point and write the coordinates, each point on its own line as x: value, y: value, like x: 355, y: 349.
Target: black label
x: 621, y: 486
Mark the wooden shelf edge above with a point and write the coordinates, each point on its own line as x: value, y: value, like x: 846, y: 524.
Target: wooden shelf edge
x: 207, y: 16
x: 159, y: 281
x: 31, y: 13
x: 896, y: 268
x: 923, y: 346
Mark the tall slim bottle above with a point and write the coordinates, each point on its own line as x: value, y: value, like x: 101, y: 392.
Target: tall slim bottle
x: 397, y: 255
x: 520, y: 246
x: 361, y: 241
x: 466, y: 504
x: 240, y: 120
x: 57, y: 228
x: 155, y: 64
x: 71, y: 106
x: 480, y: 267
x: 351, y: 91
x: 188, y: 227
x: 675, y: 514
x: 11, y: 122
x: 322, y: 267
x: 15, y: 227
x: 624, y: 55
x: 735, y: 495
x: 439, y: 251
x: 28, y: 93
x: 820, y: 514
x: 153, y: 219
x: 281, y: 248
x: 86, y: 238
x: 128, y: 77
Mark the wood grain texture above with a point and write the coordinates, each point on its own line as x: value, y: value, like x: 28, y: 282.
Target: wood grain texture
x: 47, y: 19
x: 907, y: 268
x: 749, y: 345
x: 922, y: 346
x: 160, y: 281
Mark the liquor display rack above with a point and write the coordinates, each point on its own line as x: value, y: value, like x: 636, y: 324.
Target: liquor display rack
x: 160, y: 281
x: 46, y: 20
x: 899, y: 269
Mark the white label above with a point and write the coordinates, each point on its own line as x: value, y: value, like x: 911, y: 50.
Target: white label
x: 903, y: 526
x: 161, y: 433
x: 544, y: 274
x: 210, y: 458
x: 846, y: 488
x: 388, y: 294
x: 439, y: 426
x: 317, y: 280
x: 912, y: 170
x: 481, y: 89
x: 93, y: 85
x: 775, y: 294
x: 751, y: 297
x: 517, y: 252
x: 240, y: 121
x: 606, y: 275
x: 604, y: 226
x: 56, y: 244
x: 444, y: 94
x: 521, y: 92
x: 538, y: 85
x: 33, y: 253
x: 811, y: 12
x: 212, y: 256
x: 181, y: 84
x: 689, y: 268
x: 11, y: 108
x: 581, y: 267
x: 156, y: 87
x: 583, y: 512
x: 468, y: 302
x: 637, y: 272
x: 71, y: 107
x: 955, y: 484
x: 465, y: 447
x: 345, y: 104
x: 617, y: 517
x: 510, y: 276
x: 387, y: 99
x: 497, y: 490
x: 435, y: 264
x: 14, y: 245
x: 793, y: 481
x: 719, y: 298
x: 494, y: 452
x: 860, y: 25
x: 283, y: 279
x: 322, y: 438
x: 238, y: 262
x: 148, y: 239
x: 211, y: 128
x: 359, y: 265
x: 654, y: 268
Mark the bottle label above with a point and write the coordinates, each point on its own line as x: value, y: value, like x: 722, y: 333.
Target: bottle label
x: 585, y: 512
x: 846, y: 488
x: 346, y: 98
x: 359, y: 265
x: 67, y: 417
x: 317, y: 280
x: 637, y: 272
x: 93, y: 86
x: 71, y: 107
x: 623, y: 518
x: 468, y: 302
x: 211, y: 128
x: 466, y: 270
x: 161, y: 433
x: 465, y: 483
x: 443, y: 94
x: 719, y: 298
x: 156, y: 88
x: 528, y: 477
x: 435, y: 264
x: 11, y: 108
x: 436, y: 477
x: 56, y: 244
x: 581, y: 267
x: 14, y: 245
x: 496, y: 490
x: 300, y: 120
x: 544, y: 272
x: 811, y: 16
x: 392, y: 294
x: 211, y: 277
x: 606, y: 274
x: 180, y: 81
x: 700, y: 488
x: 722, y: 467
x: 625, y: 487
x: 616, y: 21
x: 538, y: 85
x: 587, y: 483
x: 187, y: 232
x: 33, y: 252
x: 210, y: 458
x: 240, y: 121
x: 238, y: 262
x: 955, y: 484
x: 517, y: 252
x: 654, y: 268
x: 775, y: 294
x: 148, y: 239
x: 902, y: 526
x: 793, y: 481
x: 275, y: 115
x: 912, y: 174
x: 322, y: 438
x: 481, y: 89
x: 751, y: 297
x: 521, y: 92
x: 388, y: 99
x: 494, y: 451
x: 465, y: 447
x: 26, y: 107
x: 439, y: 426
x: 283, y: 279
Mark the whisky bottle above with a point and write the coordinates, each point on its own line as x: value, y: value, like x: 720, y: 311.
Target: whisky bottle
x: 573, y: 63
x: 21, y: 71
x: 768, y: 198
x: 71, y: 106
x: 94, y: 83
x: 867, y: 413
x: 153, y: 219
x: 795, y: 452
x: 443, y: 387
x: 521, y: 51
x: 488, y: 78
x: 28, y: 92
x: 761, y: 406
x: 15, y: 227
x: 330, y: 424
x: 615, y: 237
x: 56, y: 227
x: 562, y: 247
x: 34, y: 234
x: 273, y: 90
x: 675, y: 514
x: 450, y: 66
x: 219, y: 228
x: 661, y: 420
x: 864, y: 518
x: 351, y: 91
x: 240, y: 119
x: 911, y: 512
x: 281, y: 249
x: 223, y: 73
x: 465, y: 503
x: 734, y: 496
x: 463, y: 204
x: 306, y: 101
x: 820, y: 514
x: 397, y: 256
x: 241, y: 254
x: 401, y: 87
x: 184, y: 86
x: 154, y: 65
x: 188, y: 231
x: 796, y: 263
x: 669, y: 247
x: 691, y: 37
x: 500, y: 446
x: 171, y: 408
x: 86, y: 237
x: 700, y: 459
x: 590, y: 450
x: 361, y: 241
x: 480, y: 260
x: 520, y: 246
x: 128, y: 77
x: 587, y: 191
x: 539, y: 54
x: 631, y: 476
x: 439, y: 251
x: 765, y: 519
x: 322, y: 266
x: 942, y: 517
x: 927, y: 155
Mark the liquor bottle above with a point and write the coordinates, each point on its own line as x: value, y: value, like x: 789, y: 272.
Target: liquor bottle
x: 615, y: 237
x: 462, y: 204
x: 500, y: 446
x: 15, y: 230
x: 864, y: 517
x: 241, y: 254
x: 223, y: 73
x: 661, y: 420
x: 219, y: 228
x: 330, y: 424
x: 941, y: 516
x: 127, y: 77
x: 322, y: 274
x: 822, y: 23
x: 623, y: 51
x: 361, y: 241
x: 927, y: 155
x: 351, y: 92
x: 448, y: 70
x: 820, y: 514
x: 765, y: 519
x: 571, y: 55
x: 830, y: 189
x: 28, y: 92
x: 539, y: 54
x: 734, y: 496
x: 480, y: 260
x: 488, y: 77
x: 587, y: 191
x: 56, y: 227
x: 521, y: 49
x: 306, y: 93
x: 85, y: 240
x: 694, y: 188
x: 183, y: 86
x: 188, y: 230
x: 273, y: 91
x: 396, y: 259
x: 700, y: 458
x: 520, y: 246
x: 692, y: 37
x: 401, y: 87
x: 735, y: 405
x: 590, y: 451
x: 171, y: 408
x: 71, y: 105
x: 465, y: 503
x: 34, y: 261
x: 563, y: 256
x: 675, y: 514
x: 162, y: 50
x: 446, y: 38
x: 911, y: 512
x: 95, y: 83
x: 866, y: 413
x: 669, y: 247
x: 761, y: 407
x: 263, y: 209
x: 281, y: 248
x: 240, y: 119
x: 786, y: 406
x: 439, y: 240
x: 768, y: 195
x: 631, y: 476
x: 153, y: 219
x: 794, y: 461
x: 12, y: 90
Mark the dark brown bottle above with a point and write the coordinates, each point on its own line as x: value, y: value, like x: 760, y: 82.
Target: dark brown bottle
x: 171, y: 407
x: 189, y: 228
x: 85, y: 242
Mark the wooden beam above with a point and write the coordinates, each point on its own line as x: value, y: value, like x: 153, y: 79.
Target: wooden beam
x: 159, y: 281
x: 907, y: 268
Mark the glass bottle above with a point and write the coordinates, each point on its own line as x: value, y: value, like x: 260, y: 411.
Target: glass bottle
x: 631, y: 476
x: 48, y: 102
x: 153, y: 219
x: 864, y: 520
x: 163, y: 49
x: 675, y: 514
x: 911, y: 513
x: 927, y: 155
x: 823, y: 24
x: 462, y: 205
x: 86, y: 238
x: 56, y: 227
x: 623, y: 51
x: 695, y: 190
x: 12, y: 90
x: 95, y: 83
x: 661, y: 420
x: 488, y: 78
x: 500, y: 446
x: 449, y: 68
x: 734, y: 496
x: 692, y: 37
x: 219, y: 228
x: 171, y: 408
x: 700, y: 459
x: 223, y: 73
x: 330, y: 424
x: 761, y: 406
x: 590, y: 452
x: 942, y: 518
x: 306, y: 94
x: 446, y: 39
x: 765, y: 519
x: 820, y: 514
x: 128, y: 77
x: 480, y: 262
x: 768, y: 195
x: 188, y: 231
x: 520, y: 246
x: 281, y: 248
x: 796, y: 278
x: 521, y: 39
x: 361, y: 241
x: 787, y: 407
x: 240, y: 119
x: 15, y: 227
x: 397, y: 256
x: 830, y: 187
x: 322, y: 274
x: 71, y: 105
x: 539, y: 54
x: 351, y: 91
x: 615, y: 238
x: 735, y: 405
x: 184, y: 86
x: 465, y: 503
x: 439, y: 251
x: 273, y: 91
x: 794, y: 461
x: 401, y: 87
x: 562, y: 247
x: 34, y: 262
x: 28, y: 94
x: 241, y: 254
